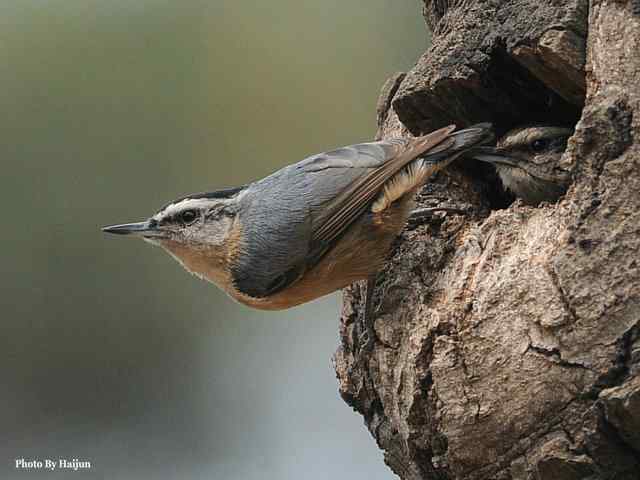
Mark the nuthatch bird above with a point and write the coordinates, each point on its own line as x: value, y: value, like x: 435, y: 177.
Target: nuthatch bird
x: 527, y: 161
x: 310, y: 228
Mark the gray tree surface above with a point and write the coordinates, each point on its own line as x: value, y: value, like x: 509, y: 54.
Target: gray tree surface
x: 508, y: 336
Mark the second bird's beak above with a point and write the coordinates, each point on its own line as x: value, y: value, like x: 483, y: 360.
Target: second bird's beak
x: 144, y: 229
x: 492, y: 155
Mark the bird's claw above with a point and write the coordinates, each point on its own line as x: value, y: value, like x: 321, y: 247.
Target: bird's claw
x: 421, y: 213
x: 366, y: 340
x: 367, y: 335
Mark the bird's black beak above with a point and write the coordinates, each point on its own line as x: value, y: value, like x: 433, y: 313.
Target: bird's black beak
x: 145, y: 229
x: 492, y: 155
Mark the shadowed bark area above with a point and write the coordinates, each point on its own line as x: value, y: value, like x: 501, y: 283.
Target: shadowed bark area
x: 509, y: 336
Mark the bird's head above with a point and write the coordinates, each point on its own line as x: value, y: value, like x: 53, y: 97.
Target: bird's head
x: 195, y: 229
x: 528, y: 162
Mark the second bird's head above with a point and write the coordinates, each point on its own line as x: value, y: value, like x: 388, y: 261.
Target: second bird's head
x: 528, y: 162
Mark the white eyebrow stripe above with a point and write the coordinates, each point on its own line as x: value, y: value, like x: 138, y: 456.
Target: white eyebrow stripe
x: 187, y: 203
x: 529, y: 134
x: 523, y: 137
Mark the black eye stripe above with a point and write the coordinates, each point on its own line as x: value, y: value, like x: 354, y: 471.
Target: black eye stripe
x: 546, y: 144
x: 219, y: 211
x: 560, y: 143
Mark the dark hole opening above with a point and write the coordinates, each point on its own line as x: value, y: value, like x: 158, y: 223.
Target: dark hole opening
x: 523, y: 100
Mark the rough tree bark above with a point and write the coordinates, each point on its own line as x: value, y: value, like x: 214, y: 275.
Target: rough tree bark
x: 508, y: 337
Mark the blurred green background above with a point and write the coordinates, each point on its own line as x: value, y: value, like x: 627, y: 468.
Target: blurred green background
x: 110, y: 352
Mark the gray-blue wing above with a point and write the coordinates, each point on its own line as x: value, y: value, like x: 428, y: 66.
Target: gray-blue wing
x: 290, y: 219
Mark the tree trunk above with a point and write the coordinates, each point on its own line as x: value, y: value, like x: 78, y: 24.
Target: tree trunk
x: 508, y: 337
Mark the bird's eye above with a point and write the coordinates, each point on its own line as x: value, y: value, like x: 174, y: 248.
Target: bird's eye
x: 188, y: 217
x: 540, y: 144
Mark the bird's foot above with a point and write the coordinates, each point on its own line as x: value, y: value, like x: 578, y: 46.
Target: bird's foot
x: 367, y: 336
x: 420, y: 214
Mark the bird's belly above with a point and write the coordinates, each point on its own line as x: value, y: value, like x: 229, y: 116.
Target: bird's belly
x: 359, y: 254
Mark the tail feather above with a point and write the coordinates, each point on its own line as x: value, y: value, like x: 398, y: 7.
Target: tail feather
x: 473, y: 136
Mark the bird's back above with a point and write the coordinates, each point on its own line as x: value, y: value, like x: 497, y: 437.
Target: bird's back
x: 291, y: 219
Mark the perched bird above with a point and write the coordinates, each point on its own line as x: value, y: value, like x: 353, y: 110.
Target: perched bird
x: 308, y: 229
x: 528, y: 162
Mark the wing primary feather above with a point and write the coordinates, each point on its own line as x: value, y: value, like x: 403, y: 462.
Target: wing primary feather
x: 354, y: 200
